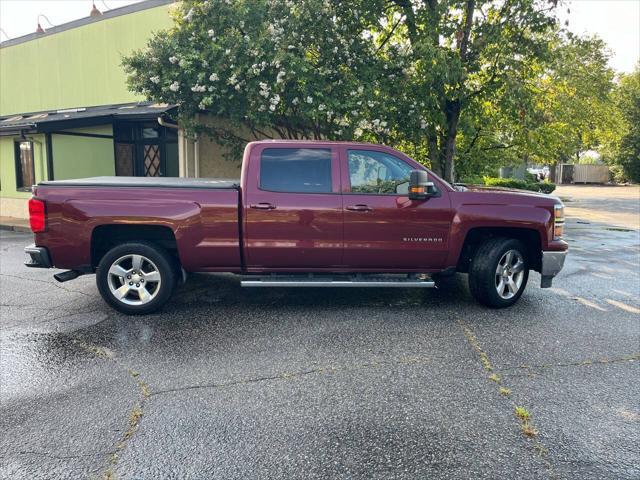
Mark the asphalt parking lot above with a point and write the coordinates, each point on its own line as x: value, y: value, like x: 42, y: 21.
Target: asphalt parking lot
x: 235, y: 383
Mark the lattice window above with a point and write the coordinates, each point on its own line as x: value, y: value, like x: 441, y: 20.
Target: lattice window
x: 152, y: 161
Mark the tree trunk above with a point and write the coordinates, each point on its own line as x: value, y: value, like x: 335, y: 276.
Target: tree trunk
x: 434, y: 153
x: 452, y: 111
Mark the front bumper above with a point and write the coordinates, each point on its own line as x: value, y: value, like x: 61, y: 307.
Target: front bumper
x: 39, y: 257
x: 552, y: 263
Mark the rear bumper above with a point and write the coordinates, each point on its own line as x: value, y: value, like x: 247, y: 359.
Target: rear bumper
x: 552, y: 263
x: 38, y: 257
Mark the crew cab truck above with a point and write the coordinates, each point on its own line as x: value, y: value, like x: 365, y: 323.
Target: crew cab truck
x: 304, y: 213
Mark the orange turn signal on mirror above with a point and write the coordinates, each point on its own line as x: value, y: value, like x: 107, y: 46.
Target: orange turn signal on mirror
x: 417, y: 190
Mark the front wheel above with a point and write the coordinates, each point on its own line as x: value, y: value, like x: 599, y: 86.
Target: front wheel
x: 499, y: 272
x: 136, y: 278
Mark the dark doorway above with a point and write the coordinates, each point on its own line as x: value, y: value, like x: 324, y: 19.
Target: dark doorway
x: 145, y: 149
x: 567, y: 173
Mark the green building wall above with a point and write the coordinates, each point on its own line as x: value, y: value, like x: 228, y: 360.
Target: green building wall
x: 80, y: 67
x: 14, y: 202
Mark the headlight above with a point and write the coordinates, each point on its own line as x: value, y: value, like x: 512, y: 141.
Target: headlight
x: 558, y: 221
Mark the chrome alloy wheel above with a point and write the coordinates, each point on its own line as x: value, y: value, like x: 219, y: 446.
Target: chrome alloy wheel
x: 509, y: 274
x: 134, y: 280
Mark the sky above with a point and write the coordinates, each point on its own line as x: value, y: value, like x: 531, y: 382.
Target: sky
x: 617, y: 22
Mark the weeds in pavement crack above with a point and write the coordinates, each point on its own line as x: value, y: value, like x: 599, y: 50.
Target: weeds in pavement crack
x: 505, y: 391
x: 521, y: 413
x: 525, y: 422
x: 136, y: 413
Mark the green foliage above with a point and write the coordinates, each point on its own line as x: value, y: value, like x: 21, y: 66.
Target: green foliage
x: 472, y: 180
x: 398, y: 72
x: 274, y: 69
x: 544, y: 187
x: 627, y: 98
x: 487, y: 84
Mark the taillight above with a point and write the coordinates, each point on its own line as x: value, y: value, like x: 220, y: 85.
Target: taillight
x: 37, y: 217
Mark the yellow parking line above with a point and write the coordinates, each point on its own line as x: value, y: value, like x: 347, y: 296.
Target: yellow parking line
x: 588, y: 303
x: 623, y: 306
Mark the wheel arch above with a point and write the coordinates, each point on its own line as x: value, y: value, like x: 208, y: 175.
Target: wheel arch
x: 476, y: 236
x: 105, y: 237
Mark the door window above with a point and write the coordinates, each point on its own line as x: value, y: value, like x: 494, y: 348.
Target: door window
x: 296, y: 170
x: 378, y: 173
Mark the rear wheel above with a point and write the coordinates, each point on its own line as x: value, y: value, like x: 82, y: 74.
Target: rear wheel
x: 136, y: 278
x: 499, y: 272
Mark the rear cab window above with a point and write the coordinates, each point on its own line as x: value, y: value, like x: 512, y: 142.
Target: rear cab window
x: 296, y: 170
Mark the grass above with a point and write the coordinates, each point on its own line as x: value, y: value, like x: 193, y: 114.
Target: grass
x: 528, y: 430
x: 505, y: 391
x: 522, y: 413
x: 525, y: 422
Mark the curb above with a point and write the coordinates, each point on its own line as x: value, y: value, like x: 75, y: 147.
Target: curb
x: 15, y: 228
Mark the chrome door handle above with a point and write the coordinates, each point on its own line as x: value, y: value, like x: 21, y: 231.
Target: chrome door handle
x: 359, y: 208
x: 263, y: 206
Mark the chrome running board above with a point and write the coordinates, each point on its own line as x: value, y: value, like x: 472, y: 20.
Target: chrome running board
x: 311, y: 280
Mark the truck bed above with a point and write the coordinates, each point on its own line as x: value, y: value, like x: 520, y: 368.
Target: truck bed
x: 200, y: 215
x: 158, y: 182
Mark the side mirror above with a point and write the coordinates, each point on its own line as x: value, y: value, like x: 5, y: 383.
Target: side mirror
x: 420, y: 188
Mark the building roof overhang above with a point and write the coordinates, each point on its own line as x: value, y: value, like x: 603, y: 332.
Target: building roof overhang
x: 42, y: 122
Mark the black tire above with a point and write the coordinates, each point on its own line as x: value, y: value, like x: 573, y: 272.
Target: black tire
x: 159, y: 259
x: 482, y: 273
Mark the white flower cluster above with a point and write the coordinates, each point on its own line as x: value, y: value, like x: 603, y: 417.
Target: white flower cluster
x: 155, y: 79
x: 375, y: 126
x: 274, y: 101
x: 214, y: 77
x: 264, y: 89
x: 198, y: 88
x: 175, y: 86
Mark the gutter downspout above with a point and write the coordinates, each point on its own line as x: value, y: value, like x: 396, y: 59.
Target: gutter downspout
x: 196, y: 157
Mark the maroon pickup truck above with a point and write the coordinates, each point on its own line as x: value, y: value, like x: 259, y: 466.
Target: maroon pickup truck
x: 311, y: 214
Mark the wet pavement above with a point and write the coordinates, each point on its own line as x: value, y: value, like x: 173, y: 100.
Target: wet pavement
x: 368, y: 383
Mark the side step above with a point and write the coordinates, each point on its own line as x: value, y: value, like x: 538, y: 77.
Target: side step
x: 361, y: 280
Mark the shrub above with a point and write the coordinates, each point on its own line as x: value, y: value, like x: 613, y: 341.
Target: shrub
x: 544, y: 187
x: 472, y: 180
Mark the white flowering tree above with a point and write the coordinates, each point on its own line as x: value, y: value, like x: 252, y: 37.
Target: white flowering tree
x: 275, y: 68
x: 403, y: 72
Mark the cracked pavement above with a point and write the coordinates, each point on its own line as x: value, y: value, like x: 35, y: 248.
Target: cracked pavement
x: 354, y: 383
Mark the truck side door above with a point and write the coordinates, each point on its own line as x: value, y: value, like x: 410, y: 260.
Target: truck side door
x: 383, y: 229
x: 292, y: 208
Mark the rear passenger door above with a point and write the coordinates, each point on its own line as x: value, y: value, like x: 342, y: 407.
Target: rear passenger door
x: 292, y: 208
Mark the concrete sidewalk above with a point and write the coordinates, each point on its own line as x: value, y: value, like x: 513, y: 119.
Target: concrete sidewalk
x: 15, y: 224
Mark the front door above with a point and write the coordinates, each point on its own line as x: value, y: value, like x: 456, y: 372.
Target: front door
x: 145, y: 149
x: 383, y: 229
x: 293, y: 208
